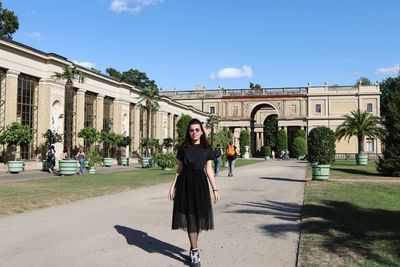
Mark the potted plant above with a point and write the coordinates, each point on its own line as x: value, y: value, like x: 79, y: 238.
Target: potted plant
x: 51, y: 137
x: 109, y: 140
x: 123, y: 142
x: 166, y: 161
x: 321, y: 151
x: 16, y: 134
x: 92, y: 158
x: 266, y: 152
x: 168, y: 143
x: 360, y: 124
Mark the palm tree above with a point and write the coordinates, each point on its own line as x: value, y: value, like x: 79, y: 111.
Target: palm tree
x: 150, y: 96
x: 211, y: 122
x: 70, y: 73
x: 359, y: 124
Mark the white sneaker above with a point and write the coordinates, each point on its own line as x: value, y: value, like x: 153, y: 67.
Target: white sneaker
x: 195, y: 258
x: 50, y: 170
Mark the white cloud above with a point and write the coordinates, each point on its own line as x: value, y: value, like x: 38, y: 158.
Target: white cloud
x: 85, y: 64
x: 389, y: 70
x: 35, y: 35
x: 132, y: 6
x: 232, y: 73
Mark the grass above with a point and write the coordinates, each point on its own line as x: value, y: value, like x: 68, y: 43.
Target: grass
x: 351, y: 224
x: 25, y: 196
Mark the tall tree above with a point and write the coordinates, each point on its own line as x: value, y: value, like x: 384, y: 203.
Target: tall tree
x: 389, y: 164
x: 150, y: 97
x: 133, y: 77
x: 360, y: 124
x: 181, y: 126
x: 70, y: 74
x: 271, y: 131
x: 8, y: 22
x: 364, y: 81
x: 211, y: 122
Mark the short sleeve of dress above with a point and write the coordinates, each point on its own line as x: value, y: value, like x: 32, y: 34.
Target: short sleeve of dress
x: 210, y: 154
x: 179, y: 154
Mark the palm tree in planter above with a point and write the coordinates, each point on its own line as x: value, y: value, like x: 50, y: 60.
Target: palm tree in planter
x: 150, y: 97
x: 211, y: 122
x: 70, y: 73
x: 360, y: 124
x: 16, y: 134
x: 321, y: 151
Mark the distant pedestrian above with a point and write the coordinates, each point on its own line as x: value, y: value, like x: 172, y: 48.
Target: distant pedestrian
x: 64, y: 154
x: 217, y: 161
x: 273, y: 154
x: 287, y: 154
x: 81, y: 158
x: 231, y: 155
x: 51, y: 158
x: 190, y: 189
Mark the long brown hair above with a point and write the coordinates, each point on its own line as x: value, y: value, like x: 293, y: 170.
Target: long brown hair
x: 188, y: 139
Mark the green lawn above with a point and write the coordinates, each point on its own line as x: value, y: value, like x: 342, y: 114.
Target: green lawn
x: 351, y: 224
x: 25, y: 196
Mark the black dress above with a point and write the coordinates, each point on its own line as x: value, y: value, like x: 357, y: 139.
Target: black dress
x: 192, y: 202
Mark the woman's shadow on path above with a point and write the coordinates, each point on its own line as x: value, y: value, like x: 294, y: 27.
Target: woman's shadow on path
x: 150, y: 244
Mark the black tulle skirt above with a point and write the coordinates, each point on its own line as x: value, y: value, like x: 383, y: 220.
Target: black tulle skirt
x: 192, y: 203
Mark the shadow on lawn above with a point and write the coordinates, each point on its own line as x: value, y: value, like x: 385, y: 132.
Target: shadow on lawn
x: 355, y: 171
x: 345, y: 229
x: 151, y: 244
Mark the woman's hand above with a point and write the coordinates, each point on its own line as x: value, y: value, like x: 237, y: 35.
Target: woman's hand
x: 171, y: 193
x: 216, y: 196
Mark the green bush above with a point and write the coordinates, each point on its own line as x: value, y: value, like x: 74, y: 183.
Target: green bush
x: 266, y: 151
x: 301, y: 133
x: 321, y: 145
x: 244, y: 140
x: 90, y: 135
x: 167, y: 160
x: 282, y: 141
x: 92, y: 158
x: 299, y: 147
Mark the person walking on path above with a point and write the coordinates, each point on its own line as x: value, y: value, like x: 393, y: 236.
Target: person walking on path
x: 231, y: 155
x: 190, y: 191
x: 51, y: 158
x: 217, y: 160
x: 273, y: 154
x: 81, y: 158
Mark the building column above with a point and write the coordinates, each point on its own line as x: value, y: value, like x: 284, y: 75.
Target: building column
x: 44, y: 109
x: 11, y: 96
x: 99, y: 112
x: 80, y: 115
x: 136, y: 130
x: 170, y: 125
x: 117, y: 117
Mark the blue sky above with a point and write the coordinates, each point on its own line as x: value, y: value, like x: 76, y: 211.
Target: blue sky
x: 184, y: 43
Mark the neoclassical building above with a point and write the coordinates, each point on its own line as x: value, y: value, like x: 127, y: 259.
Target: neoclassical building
x: 295, y: 108
x: 30, y: 95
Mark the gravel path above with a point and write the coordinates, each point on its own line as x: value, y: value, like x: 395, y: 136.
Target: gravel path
x: 257, y: 224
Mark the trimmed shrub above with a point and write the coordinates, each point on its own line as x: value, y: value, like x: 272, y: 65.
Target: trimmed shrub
x: 321, y: 145
x: 244, y: 140
x: 282, y: 141
x: 299, y: 147
x: 266, y: 151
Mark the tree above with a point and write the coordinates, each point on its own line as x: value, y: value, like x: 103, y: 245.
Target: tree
x: 271, y: 131
x: 181, y: 127
x: 133, y: 77
x: 255, y: 87
x: 389, y: 164
x: 299, y: 147
x: 363, y: 81
x: 244, y: 140
x: 52, y: 137
x: 211, y: 122
x: 90, y: 135
x: 301, y: 133
x: 149, y: 95
x: 360, y: 124
x: 321, y: 145
x: 16, y: 134
x: 282, y: 141
x: 70, y: 73
x: 8, y: 22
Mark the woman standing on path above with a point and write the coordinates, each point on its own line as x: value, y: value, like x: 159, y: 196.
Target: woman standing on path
x: 190, y: 190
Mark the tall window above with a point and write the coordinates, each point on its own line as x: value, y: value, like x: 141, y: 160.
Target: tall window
x: 293, y: 109
x: 370, y: 145
x: 108, y: 114
x: 27, y: 108
x: 318, y: 108
x: 90, y: 109
x: 212, y: 110
x: 369, y: 107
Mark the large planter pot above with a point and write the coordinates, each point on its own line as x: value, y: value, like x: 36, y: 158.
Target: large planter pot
x: 320, y: 172
x: 45, y: 165
x: 362, y: 159
x: 15, y: 166
x: 146, y: 162
x: 124, y: 161
x: 108, y: 162
x: 67, y: 166
x: 167, y: 169
x: 92, y: 170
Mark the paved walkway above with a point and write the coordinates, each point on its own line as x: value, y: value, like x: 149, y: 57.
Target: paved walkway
x: 256, y: 224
